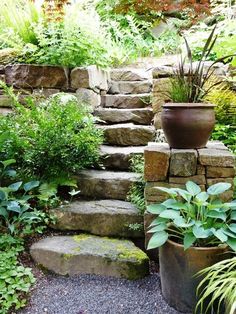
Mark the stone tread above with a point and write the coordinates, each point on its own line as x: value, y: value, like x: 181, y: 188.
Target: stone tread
x: 101, y: 217
x: 87, y: 254
x: 126, y: 101
x: 128, y: 134
x: 119, y: 157
x: 100, y: 184
x: 131, y: 87
x: 130, y: 75
x: 137, y: 116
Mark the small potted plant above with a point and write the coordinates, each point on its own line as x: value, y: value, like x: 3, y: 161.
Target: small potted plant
x: 188, y: 121
x: 193, y: 230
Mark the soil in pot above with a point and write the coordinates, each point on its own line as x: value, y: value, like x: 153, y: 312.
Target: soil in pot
x: 177, y: 270
x: 188, y: 125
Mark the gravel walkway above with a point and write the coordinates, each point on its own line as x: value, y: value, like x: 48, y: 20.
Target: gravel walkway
x: 90, y: 294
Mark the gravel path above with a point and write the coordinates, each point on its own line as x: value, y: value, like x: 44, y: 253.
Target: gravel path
x: 90, y: 294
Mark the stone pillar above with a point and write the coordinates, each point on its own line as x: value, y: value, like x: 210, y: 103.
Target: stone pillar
x: 166, y: 167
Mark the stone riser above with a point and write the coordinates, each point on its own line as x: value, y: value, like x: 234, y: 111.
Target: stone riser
x: 125, y: 101
x: 102, y: 217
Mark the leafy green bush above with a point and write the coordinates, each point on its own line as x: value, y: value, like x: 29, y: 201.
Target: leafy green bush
x: 15, y: 279
x: 226, y: 134
x: 51, y: 139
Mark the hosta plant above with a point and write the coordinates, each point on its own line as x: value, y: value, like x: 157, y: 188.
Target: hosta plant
x: 194, y: 218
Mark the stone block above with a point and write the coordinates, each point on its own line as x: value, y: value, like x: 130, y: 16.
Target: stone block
x: 220, y: 172
x: 153, y: 195
x: 134, y: 87
x: 198, y: 179
x: 160, y: 93
x: 36, y: 76
x: 183, y: 162
x: 156, y: 162
x: 126, y: 101
x: 216, y: 157
x: 89, y: 97
x: 162, y: 71
x: 130, y: 75
x: 201, y: 169
x: 90, y: 77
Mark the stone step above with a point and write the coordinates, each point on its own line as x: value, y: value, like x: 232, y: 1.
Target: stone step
x: 135, y: 87
x: 130, y: 74
x: 137, y: 116
x: 126, y: 101
x: 87, y: 254
x: 128, y: 134
x: 100, y: 184
x: 118, y: 158
x: 101, y: 217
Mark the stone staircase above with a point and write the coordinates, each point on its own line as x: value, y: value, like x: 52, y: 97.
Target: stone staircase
x: 103, y: 209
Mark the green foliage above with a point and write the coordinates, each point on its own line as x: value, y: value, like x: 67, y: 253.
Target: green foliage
x: 18, y: 215
x: 136, y: 193
x: 218, y: 288
x: 15, y: 279
x: 226, y: 134
x: 193, y: 217
x: 195, y: 85
x: 53, y: 139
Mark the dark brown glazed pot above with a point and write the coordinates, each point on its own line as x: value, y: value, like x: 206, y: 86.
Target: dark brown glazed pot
x: 177, y: 270
x: 188, y: 125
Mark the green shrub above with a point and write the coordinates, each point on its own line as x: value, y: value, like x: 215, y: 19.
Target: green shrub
x: 15, y: 279
x: 226, y: 134
x: 51, y: 139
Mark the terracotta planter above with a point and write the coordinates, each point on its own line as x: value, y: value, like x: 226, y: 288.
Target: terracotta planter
x: 177, y: 270
x: 188, y: 125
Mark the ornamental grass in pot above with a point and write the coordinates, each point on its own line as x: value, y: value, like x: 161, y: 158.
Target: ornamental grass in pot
x: 188, y: 121
x: 193, y: 230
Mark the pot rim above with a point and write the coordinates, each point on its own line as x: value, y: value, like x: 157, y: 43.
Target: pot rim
x: 201, y: 105
x: 201, y: 248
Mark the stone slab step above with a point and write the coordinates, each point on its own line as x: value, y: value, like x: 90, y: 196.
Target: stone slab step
x: 87, y: 254
x: 130, y: 74
x: 118, y: 158
x: 100, y: 184
x: 126, y: 101
x: 137, y: 116
x: 135, y: 87
x: 128, y: 134
x: 101, y: 217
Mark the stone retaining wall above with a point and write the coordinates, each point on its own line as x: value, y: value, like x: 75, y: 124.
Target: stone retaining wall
x: 166, y: 167
x: 88, y: 83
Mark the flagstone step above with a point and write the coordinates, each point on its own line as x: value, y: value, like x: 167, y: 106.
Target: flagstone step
x: 119, y: 158
x: 137, y: 116
x: 88, y: 254
x: 126, y: 88
x: 126, y: 101
x: 100, y: 217
x: 128, y: 134
x: 101, y: 184
x: 124, y: 74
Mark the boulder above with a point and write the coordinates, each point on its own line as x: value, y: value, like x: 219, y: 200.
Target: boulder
x: 183, y: 162
x: 126, y: 101
x: 130, y: 75
x: 135, y: 87
x: 89, y: 97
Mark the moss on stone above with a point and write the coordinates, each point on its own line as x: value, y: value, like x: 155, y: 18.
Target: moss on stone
x: 81, y: 237
x: 135, y: 254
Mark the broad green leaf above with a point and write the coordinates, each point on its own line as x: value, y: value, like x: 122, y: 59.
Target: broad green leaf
x: 229, y: 233
x: 167, y: 190
x: 220, y: 235
x: 189, y: 239
x: 232, y: 227
x: 8, y: 162
x: 232, y: 243
x: 179, y: 205
x: 158, y: 221
x: 169, y: 213
x: 201, y: 233
x: 3, y: 212
x: 169, y: 202
x: 184, y: 194
x: 15, y: 186
x: 157, y: 228
x: 231, y: 205
x: 202, y: 197
x: 157, y: 240
x: 30, y: 185
x: 218, y: 188
x: 155, y: 208
x: 193, y: 188
x: 14, y: 207
x: 233, y: 215
x: 180, y: 222
x: 10, y: 173
x: 3, y: 195
x: 217, y: 214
